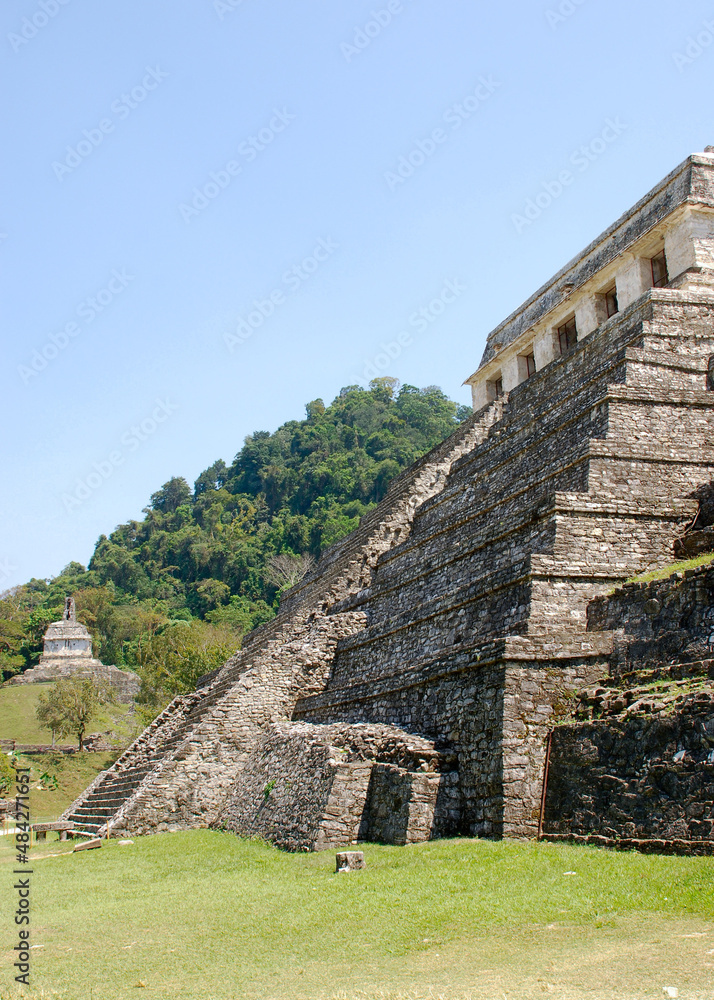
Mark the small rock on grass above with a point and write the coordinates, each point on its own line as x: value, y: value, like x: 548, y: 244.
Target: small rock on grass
x: 89, y: 845
x: 349, y: 861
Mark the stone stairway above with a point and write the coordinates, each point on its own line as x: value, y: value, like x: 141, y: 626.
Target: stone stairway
x: 103, y: 799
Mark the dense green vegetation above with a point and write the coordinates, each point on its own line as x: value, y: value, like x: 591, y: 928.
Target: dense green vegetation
x: 171, y: 595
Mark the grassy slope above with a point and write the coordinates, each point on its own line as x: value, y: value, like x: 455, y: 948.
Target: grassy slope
x: 74, y: 773
x: 18, y: 720
x: 200, y: 915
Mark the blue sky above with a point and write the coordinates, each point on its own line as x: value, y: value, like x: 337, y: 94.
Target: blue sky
x: 315, y: 175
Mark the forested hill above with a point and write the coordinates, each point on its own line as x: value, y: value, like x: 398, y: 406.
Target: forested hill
x: 207, y: 564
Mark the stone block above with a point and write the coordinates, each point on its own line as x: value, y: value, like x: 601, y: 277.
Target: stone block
x: 349, y: 861
x: 89, y: 845
x: 689, y: 243
x: 633, y: 280
x: 590, y: 314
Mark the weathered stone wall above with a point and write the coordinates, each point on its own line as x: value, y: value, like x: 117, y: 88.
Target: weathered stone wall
x: 285, y: 786
x: 642, y: 765
x: 491, y: 708
x: 309, y: 786
x: 408, y: 808
x: 666, y: 621
x: 647, y: 778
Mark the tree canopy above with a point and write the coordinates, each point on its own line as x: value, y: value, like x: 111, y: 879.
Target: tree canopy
x: 70, y: 705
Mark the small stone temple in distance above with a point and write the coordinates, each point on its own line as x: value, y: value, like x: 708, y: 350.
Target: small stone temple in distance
x: 67, y: 649
x: 409, y: 685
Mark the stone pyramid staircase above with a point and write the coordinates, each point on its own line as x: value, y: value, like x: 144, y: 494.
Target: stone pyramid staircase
x: 263, y: 681
x: 111, y: 789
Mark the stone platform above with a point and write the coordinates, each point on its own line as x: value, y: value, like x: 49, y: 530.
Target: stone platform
x: 126, y: 684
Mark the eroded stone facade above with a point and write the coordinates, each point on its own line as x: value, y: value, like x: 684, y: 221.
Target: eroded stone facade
x: 641, y: 763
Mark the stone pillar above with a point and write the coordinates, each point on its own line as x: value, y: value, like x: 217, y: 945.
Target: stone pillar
x: 690, y: 243
x: 510, y: 373
x: 633, y: 281
x: 590, y: 314
x: 545, y: 349
x: 479, y: 395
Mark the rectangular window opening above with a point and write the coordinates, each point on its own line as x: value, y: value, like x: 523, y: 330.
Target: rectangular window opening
x: 660, y: 276
x: 567, y: 335
x: 494, y: 388
x: 530, y: 364
x: 611, y: 304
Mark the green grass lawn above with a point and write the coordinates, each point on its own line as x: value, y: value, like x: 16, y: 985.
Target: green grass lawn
x: 203, y: 915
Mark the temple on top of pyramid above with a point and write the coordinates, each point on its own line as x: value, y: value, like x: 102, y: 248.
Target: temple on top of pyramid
x: 67, y: 640
x: 67, y: 649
